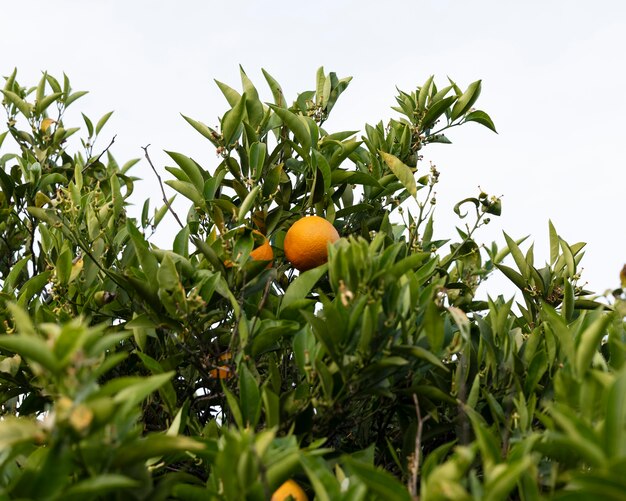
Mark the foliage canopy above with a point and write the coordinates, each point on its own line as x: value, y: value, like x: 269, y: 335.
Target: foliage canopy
x: 128, y: 371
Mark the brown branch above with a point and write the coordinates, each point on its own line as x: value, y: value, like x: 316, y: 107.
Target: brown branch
x: 415, y: 463
x: 165, y: 200
x: 89, y: 164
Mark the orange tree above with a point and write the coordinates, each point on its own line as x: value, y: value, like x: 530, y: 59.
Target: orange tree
x: 214, y: 370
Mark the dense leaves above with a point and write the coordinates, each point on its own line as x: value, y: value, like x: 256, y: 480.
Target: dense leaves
x: 128, y: 371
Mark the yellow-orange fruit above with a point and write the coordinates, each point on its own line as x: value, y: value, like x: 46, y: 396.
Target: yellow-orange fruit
x: 222, y: 372
x: 263, y: 252
x: 289, y: 488
x: 306, y: 242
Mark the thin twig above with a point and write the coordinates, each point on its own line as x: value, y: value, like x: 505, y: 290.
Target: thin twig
x: 165, y: 200
x: 89, y: 164
x: 415, y: 466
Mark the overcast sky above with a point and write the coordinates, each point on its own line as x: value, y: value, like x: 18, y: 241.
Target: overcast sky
x: 553, y: 77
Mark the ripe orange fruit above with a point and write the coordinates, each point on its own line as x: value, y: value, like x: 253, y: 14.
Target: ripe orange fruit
x: 222, y: 372
x: 306, y: 242
x: 263, y: 252
x: 289, y: 488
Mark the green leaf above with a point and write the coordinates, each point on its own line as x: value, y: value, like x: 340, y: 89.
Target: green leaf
x: 424, y: 93
x: 32, y: 348
x: 500, y: 485
x: 231, y: 95
x: 435, y: 111
x: 207, y: 132
x: 518, y: 256
x: 554, y: 243
x: 188, y: 190
x: 233, y: 406
x: 589, y: 342
x: 614, y: 434
x: 42, y: 105
x: 147, y: 260
x: 189, y: 167
x: 324, y: 483
x: 302, y: 285
x: 324, y: 168
x: 154, y: 445
x: 513, y: 276
x: 277, y: 91
x: 248, y: 203
x: 465, y: 102
x: 381, y: 483
x: 10, y: 281
x: 300, y: 130
x: 101, y: 123
x: 482, y: 118
x: 231, y: 122
x: 14, y: 430
x: 568, y: 255
x: 99, y: 485
x: 135, y: 393
x: 12, y: 98
x: 249, y: 396
x: 73, y: 97
x: 402, y: 171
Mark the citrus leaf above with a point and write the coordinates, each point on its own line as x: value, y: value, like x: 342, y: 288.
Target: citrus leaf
x: 402, y: 171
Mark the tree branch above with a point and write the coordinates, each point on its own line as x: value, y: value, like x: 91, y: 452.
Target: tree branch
x: 165, y: 200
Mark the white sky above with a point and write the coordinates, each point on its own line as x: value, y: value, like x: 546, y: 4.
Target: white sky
x: 553, y: 81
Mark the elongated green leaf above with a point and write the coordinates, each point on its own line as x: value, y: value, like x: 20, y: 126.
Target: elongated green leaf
x: 188, y: 190
x: 424, y: 93
x: 614, y: 435
x: 324, y: 483
x: 102, y: 122
x: 569, y: 257
x: 231, y: 95
x: 277, y: 91
x: 32, y: 348
x: 482, y: 118
x: 14, y: 430
x: 190, y: 167
x: 436, y: 110
x: 147, y: 260
x: 42, y: 105
x: 301, y: 286
x: 231, y: 123
x: 465, y: 102
x: 589, y: 342
x: 248, y: 203
x: 324, y: 168
x: 402, y: 171
x: 500, y: 485
x: 152, y: 446
x: 12, y: 98
x: 131, y: 395
x: 9, y: 283
x: 99, y: 485
x: 249, y: 397
x: 513, y: 276
x: 301, y: 132
x: 518, y: 256
x: 381, y: 483
x: 206, y: 131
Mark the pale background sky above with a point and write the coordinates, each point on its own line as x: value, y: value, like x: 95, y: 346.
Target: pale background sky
x: 553, y: 77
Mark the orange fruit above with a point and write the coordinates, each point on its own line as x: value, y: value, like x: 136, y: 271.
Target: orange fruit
x: 222, y: 372
x: 263, y: 252
x: 289, y: 488
x: 306, y: 242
